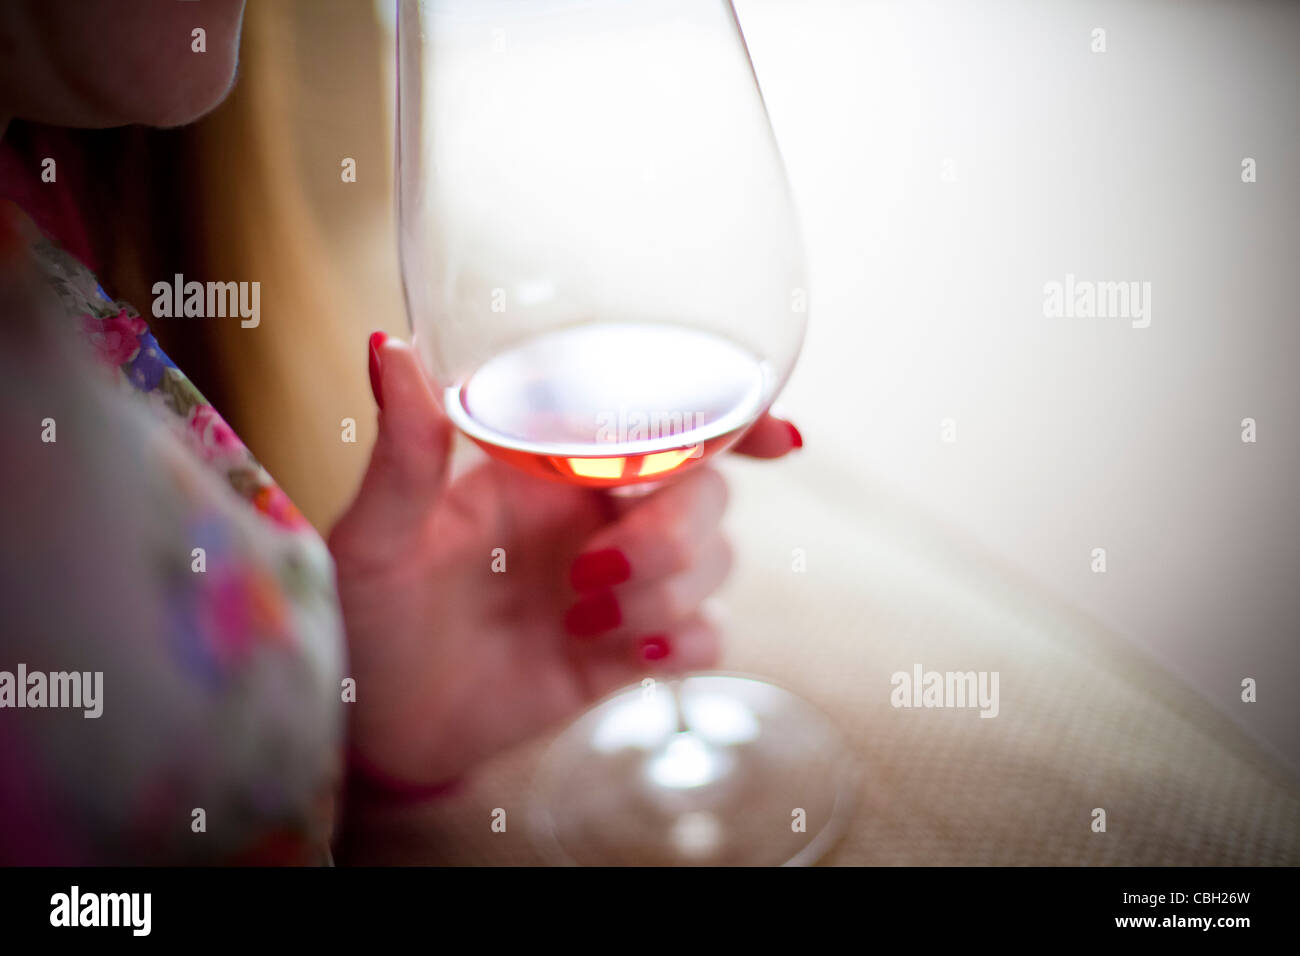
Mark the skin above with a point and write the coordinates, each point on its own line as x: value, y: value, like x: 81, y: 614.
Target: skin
x: 453, y: 663
x: 458, y: 662
x: 99, y: 63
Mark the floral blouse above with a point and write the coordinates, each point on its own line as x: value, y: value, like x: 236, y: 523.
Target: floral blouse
x: 145, y: 542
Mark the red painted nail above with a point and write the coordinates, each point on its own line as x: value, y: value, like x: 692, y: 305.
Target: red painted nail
x: 654, y: 648
x: 592, y: 615
x: 377, y: 339
x: 796, y: 440
x: 599, y: 569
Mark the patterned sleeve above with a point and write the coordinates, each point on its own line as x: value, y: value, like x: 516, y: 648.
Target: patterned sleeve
x: 147, y: 551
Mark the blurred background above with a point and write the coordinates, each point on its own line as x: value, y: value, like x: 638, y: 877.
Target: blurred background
x: 948, y: 160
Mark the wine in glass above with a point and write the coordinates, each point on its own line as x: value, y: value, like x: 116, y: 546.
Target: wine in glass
x: 604, y: 275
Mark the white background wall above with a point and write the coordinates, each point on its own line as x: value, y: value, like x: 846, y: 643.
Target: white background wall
x: 1071, y: 433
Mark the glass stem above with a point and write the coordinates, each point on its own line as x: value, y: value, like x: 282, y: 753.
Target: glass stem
x: 679, y: 715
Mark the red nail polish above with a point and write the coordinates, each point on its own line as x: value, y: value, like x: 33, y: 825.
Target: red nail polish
x: 592, y: 615
x: 796, y: 440
x: 599, y: 569
x: 653, y: 648
x: 377, y: 339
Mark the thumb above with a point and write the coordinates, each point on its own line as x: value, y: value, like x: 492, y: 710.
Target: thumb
x: 408, y: 466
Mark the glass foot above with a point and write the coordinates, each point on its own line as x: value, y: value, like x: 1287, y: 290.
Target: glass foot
x: 709, y: 770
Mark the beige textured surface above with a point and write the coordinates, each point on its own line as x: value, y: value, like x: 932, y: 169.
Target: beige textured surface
x: 1084, y: 721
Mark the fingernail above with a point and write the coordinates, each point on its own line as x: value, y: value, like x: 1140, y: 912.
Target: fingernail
x: 377, y: 339
x: 599, y: 569
x: 796, y: 440
x: 653, y: 648
x: 592, y: 615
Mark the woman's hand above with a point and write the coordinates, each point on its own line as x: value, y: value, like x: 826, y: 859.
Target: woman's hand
x: 460, y: 649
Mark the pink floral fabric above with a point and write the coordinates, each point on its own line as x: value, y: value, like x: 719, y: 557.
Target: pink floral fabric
x: 148, y: 543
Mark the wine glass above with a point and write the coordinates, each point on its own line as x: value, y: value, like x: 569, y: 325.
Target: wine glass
x: 604, y: 276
